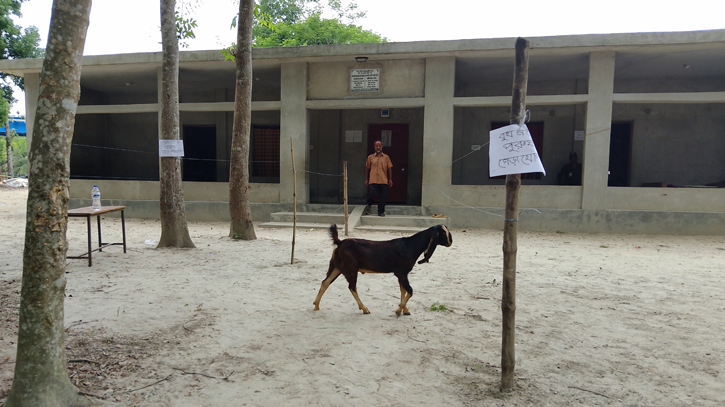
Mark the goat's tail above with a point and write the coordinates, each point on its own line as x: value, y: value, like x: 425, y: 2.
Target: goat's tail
x: 333, y: 234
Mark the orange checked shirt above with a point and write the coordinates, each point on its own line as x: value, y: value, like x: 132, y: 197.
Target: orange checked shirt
x: 378, y: 167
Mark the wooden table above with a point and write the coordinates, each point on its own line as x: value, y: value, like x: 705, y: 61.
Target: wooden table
x: 88, y: 212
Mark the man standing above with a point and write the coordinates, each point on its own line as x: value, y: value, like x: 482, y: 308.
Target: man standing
x: 378, y: 176
x: 571, y: 174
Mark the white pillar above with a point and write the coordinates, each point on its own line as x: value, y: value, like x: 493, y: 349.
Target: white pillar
x: 598, y: 128
x: 32, y: 91
x: 293, y: 123
x: 440, y: 78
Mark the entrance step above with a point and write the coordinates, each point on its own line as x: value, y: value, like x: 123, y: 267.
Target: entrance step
x: 309, y: 217
x: 400, y: 229
x: 404, y: 219
x: 420, y: 222
x: 299, y: 225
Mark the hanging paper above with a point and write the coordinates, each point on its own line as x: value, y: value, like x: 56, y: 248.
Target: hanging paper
x: 512, y: 151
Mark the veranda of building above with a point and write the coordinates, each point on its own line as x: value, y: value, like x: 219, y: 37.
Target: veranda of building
x: 645, y: 112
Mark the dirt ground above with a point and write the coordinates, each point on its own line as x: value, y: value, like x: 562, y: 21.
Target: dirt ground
x: 602, y: 320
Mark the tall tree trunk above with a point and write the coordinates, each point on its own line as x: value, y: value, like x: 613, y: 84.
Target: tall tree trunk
x: 9, y: 148
x: 174, y: 230
x: 41, y: 378
x: 239, y: 209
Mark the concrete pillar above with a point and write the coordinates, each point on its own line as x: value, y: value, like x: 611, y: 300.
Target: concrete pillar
x: 293, y: 123
x: 440, y: 78
x: 598, y: 127
x: 223, y: 143
x: 32, y: 91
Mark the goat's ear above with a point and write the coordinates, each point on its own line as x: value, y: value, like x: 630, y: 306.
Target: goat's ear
x: 429, y: 251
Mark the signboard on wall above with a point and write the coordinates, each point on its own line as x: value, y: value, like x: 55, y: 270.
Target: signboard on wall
x: 365, y: 80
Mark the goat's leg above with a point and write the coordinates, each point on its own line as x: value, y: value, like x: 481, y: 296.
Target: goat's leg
x: 406, y: 291
x: 332, y: 274
x: 403, y: 292
x: 352, y: 285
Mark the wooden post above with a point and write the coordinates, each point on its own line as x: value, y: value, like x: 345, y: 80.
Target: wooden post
x: 294, y: 200
x: 510, y: 231
x: 344, y: 171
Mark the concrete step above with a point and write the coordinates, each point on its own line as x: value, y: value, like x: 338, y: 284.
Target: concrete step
x: 397, y: 210
x: 309, y: 217
x: 300, y: 225
x: 420, y: 222
x: 407, y: 230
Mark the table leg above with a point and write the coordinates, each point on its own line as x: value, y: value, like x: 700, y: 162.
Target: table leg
x: 90, y: 254
x: 123, y: 229
x: 100, y: 241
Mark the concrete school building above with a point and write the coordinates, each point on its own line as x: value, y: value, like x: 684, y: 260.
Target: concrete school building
x: 644, y: 112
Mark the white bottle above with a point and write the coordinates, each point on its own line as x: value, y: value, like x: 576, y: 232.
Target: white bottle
x: 96, y: 197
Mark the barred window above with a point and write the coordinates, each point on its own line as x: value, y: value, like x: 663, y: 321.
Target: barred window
x: 264, y: 163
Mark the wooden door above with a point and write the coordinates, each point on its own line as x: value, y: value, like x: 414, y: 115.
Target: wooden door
x: 395, y: 144
x: 620, y: 151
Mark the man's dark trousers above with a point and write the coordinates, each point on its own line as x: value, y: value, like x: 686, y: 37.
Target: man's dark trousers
x: 383, y: 189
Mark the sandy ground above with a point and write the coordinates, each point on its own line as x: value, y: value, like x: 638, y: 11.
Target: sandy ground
x: 608, y: 320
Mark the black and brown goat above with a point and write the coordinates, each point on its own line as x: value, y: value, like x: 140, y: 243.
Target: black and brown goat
x: 395, y: 256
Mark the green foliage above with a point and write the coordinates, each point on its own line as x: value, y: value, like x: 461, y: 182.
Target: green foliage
x: 314, y: 30
x: 290, y: 23
x: 4, y: 110
x: 20, y: 154
x: 184, y: 29
x: 437, y: 306
x: 15, y: 43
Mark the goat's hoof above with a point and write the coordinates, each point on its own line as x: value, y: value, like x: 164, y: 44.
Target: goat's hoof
x: 406, y: 313
x: 317, y: 307
x: 365, y: 311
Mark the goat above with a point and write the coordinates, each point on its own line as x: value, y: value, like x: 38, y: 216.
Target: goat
x: 395, y: 256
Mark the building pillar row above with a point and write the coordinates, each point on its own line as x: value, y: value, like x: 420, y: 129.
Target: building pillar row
x: 595, y: 165
x: 32, y: 91
x: 294, y: 123
x: 440, y: 79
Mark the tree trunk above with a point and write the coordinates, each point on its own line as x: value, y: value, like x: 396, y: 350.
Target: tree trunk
x: 174, y: 230
x: 239, y: 209
x: 41, y: 378
x: 9, y: 148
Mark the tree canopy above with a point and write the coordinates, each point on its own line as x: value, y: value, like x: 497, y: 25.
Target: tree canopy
x: 15, y: 43
x: 303, y: 22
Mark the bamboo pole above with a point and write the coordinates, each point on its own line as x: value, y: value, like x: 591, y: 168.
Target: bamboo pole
x: 294, y: 200
x: 510, y: 231
x: 344, y: 171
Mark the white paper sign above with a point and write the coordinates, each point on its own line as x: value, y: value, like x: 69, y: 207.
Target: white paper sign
x: 512, y: 151
x: 579, y: 135
x: 171, y: 148
x: 353, y: 136
x: 364, y: 80
x: 386, y: 137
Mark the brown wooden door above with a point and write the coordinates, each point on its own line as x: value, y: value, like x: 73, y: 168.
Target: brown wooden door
x: 395, y: 144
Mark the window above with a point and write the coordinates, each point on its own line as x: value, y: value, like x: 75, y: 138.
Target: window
x: 264, y: 162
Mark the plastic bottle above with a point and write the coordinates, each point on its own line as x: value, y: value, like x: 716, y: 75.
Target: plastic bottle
x: 96, y: 197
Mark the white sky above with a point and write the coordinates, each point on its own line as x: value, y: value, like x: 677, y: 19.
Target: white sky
x: 127, y: 26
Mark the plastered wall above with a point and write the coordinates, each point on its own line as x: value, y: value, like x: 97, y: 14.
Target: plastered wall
x: 329, y: 150
x: 398, y: 78
x: 678, y: 144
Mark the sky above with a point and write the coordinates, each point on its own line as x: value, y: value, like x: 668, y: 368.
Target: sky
x: 127, y: 26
